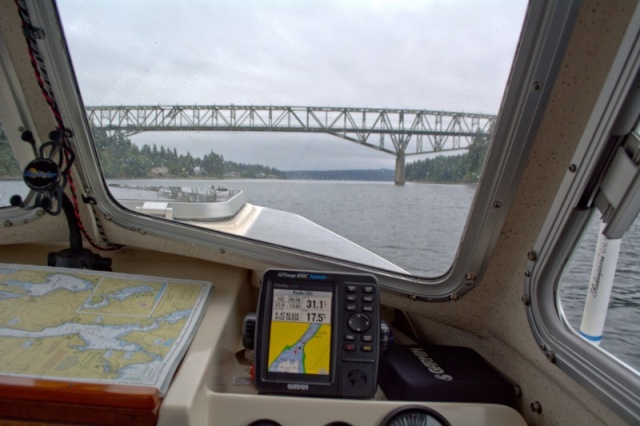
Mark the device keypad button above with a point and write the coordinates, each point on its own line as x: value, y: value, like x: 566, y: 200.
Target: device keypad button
x: 352, y: 288
x: 368, y: 298
x: 349, y: 337
x: 366, y: 348
x: 351, y: 308
x: 359, y: 323
x: 367, y: 338
x: 349, y: 347
x: 367, y: 289
x: 351, y: 298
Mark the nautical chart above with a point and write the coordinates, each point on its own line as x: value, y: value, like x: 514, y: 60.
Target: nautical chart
x: 300, y: 337
x: 96, y: 327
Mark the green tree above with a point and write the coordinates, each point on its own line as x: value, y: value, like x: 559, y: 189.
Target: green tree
x: 9, y: 167
x: 213, y: 165
x: 119, y: 157
x: 453, y: 168
x: 475, y: 158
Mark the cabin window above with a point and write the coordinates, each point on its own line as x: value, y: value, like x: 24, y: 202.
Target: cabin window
x: 621, y: 334
x: 304, y: 107
x: 10, y: 172
x: 599, y: 290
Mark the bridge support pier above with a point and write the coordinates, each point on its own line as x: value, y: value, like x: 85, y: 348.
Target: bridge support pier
x: 400, y: 169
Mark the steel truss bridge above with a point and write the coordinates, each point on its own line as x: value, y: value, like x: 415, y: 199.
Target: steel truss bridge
x: 411, y: 132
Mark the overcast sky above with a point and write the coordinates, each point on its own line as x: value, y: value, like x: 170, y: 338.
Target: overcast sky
x: 450, y: 55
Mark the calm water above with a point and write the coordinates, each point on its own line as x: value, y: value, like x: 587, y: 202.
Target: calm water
x: 401, y: 224
x: 418, y: 227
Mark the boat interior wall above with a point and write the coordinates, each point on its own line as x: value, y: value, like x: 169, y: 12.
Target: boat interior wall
x: 46, y: 229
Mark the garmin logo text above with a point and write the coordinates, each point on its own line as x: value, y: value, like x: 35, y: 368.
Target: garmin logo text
x: 298, y: 386
x: 431, y: 365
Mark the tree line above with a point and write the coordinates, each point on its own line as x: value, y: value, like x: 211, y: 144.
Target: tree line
x: 121, y: 158
x: 463, y: 168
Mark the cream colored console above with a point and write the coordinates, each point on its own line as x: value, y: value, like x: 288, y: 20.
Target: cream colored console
x: 212, y: 385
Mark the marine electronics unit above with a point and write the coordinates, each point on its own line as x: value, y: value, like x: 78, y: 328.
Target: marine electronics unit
x: 316, y: 334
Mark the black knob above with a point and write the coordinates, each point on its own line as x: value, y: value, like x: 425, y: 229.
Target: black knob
x: 16, y: 200
x: 385, y: 336
x: 359, y: 323
x: 249, y: 331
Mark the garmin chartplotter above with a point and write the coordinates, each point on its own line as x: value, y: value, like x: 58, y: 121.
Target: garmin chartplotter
x: 316, y: 334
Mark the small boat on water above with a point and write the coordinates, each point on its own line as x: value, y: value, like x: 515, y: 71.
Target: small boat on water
x: 180, y: 202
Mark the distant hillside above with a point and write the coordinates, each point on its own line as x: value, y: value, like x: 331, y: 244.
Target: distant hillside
x: 372, y: 175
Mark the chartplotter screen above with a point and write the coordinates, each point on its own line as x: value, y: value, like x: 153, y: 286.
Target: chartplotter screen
x: 300, y: 335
